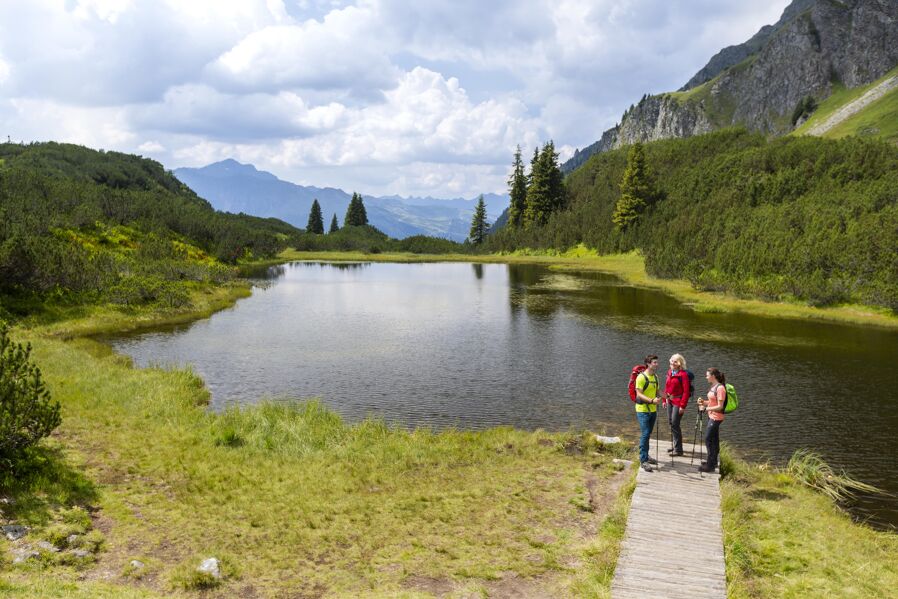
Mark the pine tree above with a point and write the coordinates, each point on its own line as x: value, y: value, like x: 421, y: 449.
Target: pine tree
x: 316, y: 223
x: 27, y: 412
x: 479, y: 225
x: 517, y: 189
x: 356, y: 215
x: 545, y: 191
x: 637, y: 189
x: 334, y: 225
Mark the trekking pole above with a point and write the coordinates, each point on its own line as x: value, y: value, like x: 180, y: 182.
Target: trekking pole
x: 701, y: 434
x: 698, y: 415
x: 670, y: 409
x: 657, y: 435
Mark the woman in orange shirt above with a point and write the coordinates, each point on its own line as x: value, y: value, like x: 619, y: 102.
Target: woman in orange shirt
x: 717, y: 395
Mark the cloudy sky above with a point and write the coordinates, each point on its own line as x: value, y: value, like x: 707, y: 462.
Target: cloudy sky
x: 379, y: 96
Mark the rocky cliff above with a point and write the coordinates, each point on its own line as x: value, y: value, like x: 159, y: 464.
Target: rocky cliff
x: 815, y: 45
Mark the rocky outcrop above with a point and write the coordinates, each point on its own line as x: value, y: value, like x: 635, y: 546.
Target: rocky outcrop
x: 733, y: 55
x: 661, y: 117
x: 814, y: 45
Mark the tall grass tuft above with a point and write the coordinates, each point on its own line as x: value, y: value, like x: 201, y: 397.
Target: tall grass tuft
x: 810, y: 469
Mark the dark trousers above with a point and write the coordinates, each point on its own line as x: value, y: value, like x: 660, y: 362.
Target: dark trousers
x: 646, y: 424
x: 712, y: 442
x: 674, y: 417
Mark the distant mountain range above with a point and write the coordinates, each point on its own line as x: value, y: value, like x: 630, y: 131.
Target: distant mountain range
x: 235, y: 187
x: 819, y: 50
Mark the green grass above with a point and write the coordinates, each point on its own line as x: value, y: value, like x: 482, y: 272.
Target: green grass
x: 879, y: 119
x: 842, y: 95
x: 783, y: 539
x: 295, y: 499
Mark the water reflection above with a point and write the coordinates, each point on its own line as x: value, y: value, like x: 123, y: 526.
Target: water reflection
x: 521, y: 345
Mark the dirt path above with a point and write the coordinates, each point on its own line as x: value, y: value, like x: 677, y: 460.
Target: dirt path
x: 855, y: 106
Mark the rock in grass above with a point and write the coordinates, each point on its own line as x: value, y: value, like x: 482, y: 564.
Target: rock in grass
x: 47, y: 546
x: 136, y: 564
x: 80, y: 553
x: 210, y: 566
x: 72, y: 540
x: 607, y: 440
x: 14, y: 532
x: 21, y: 554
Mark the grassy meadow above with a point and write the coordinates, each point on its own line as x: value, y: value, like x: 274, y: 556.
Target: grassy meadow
x: 294, y: 501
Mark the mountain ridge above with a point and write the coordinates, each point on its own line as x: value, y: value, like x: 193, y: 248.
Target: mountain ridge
x: 236, y: 187
x: 815, y: 46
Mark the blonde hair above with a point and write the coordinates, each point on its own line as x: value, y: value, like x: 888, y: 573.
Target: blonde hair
x: 679, y: 359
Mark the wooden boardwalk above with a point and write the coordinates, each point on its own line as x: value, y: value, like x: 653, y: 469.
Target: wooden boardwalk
x: 673, y: 546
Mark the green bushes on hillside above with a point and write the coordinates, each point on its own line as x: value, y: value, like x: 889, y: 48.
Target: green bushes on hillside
x: 803, y: 217
x: 81, y: 225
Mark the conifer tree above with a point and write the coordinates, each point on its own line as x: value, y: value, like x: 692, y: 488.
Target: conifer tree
x: 316, y: 223
x: 637, y: 189
x: 479, y: 225
x: 356, y: 215
x: 334, y: 225
x: 545, y: 191
x: 517, y: 189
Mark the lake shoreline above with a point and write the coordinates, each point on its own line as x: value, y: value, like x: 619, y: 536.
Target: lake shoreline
x: 631, y: 269
x: 143, y: 436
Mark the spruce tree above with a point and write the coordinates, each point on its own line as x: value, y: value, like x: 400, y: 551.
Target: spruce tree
x: 363, y: 214
x: 316, y: 223
x: 545, y: 191
x: 334, y: 225
x: 479, y: 225
x: 356, y: 215
x: 517, y: 189
x: 637, y: 189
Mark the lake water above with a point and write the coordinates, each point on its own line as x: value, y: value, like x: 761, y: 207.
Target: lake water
x: 474, y: 346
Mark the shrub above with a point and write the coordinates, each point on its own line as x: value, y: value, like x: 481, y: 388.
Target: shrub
x: 27, y: 412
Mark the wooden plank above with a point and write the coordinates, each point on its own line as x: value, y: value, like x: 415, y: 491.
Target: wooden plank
x: 673, y: 545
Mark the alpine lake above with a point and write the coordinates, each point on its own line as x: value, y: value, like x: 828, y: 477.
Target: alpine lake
x: 473, y: 346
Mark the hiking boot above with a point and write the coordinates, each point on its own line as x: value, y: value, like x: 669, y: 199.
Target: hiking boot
x: 705, y: 469
x: 647, y: 467
x: 652, y: 461
x: 676, y: 454
x: 670, y: 450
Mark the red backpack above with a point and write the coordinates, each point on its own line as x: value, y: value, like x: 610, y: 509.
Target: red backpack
x: 637, y: 370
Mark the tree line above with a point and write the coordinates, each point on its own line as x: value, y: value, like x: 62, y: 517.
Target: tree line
x: 791, y: 218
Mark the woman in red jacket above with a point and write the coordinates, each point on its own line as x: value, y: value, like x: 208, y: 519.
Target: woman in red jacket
x: 676, y: 392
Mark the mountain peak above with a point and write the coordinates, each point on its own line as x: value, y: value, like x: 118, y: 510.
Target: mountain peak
x: 231, y: 168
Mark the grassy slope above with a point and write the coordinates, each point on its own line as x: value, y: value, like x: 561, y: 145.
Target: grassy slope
x: 876, y: 115
x: 296, y: 501
x: 784, y: 540
x: 631, y: 268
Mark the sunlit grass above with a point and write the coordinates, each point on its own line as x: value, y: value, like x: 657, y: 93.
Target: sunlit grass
x: 784, y: 539
x: 810, y: 469
x: 298, y: 500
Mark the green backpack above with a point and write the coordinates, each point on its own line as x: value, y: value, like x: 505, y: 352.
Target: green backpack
x: 731, y: 403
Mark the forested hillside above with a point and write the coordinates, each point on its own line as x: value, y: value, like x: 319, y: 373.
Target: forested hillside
x: 797, y: 217
x: 79, y: 225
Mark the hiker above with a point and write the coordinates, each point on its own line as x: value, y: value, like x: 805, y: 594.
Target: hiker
x: 647, y: 401
x: 714, y: 405
x: 677, y: 390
